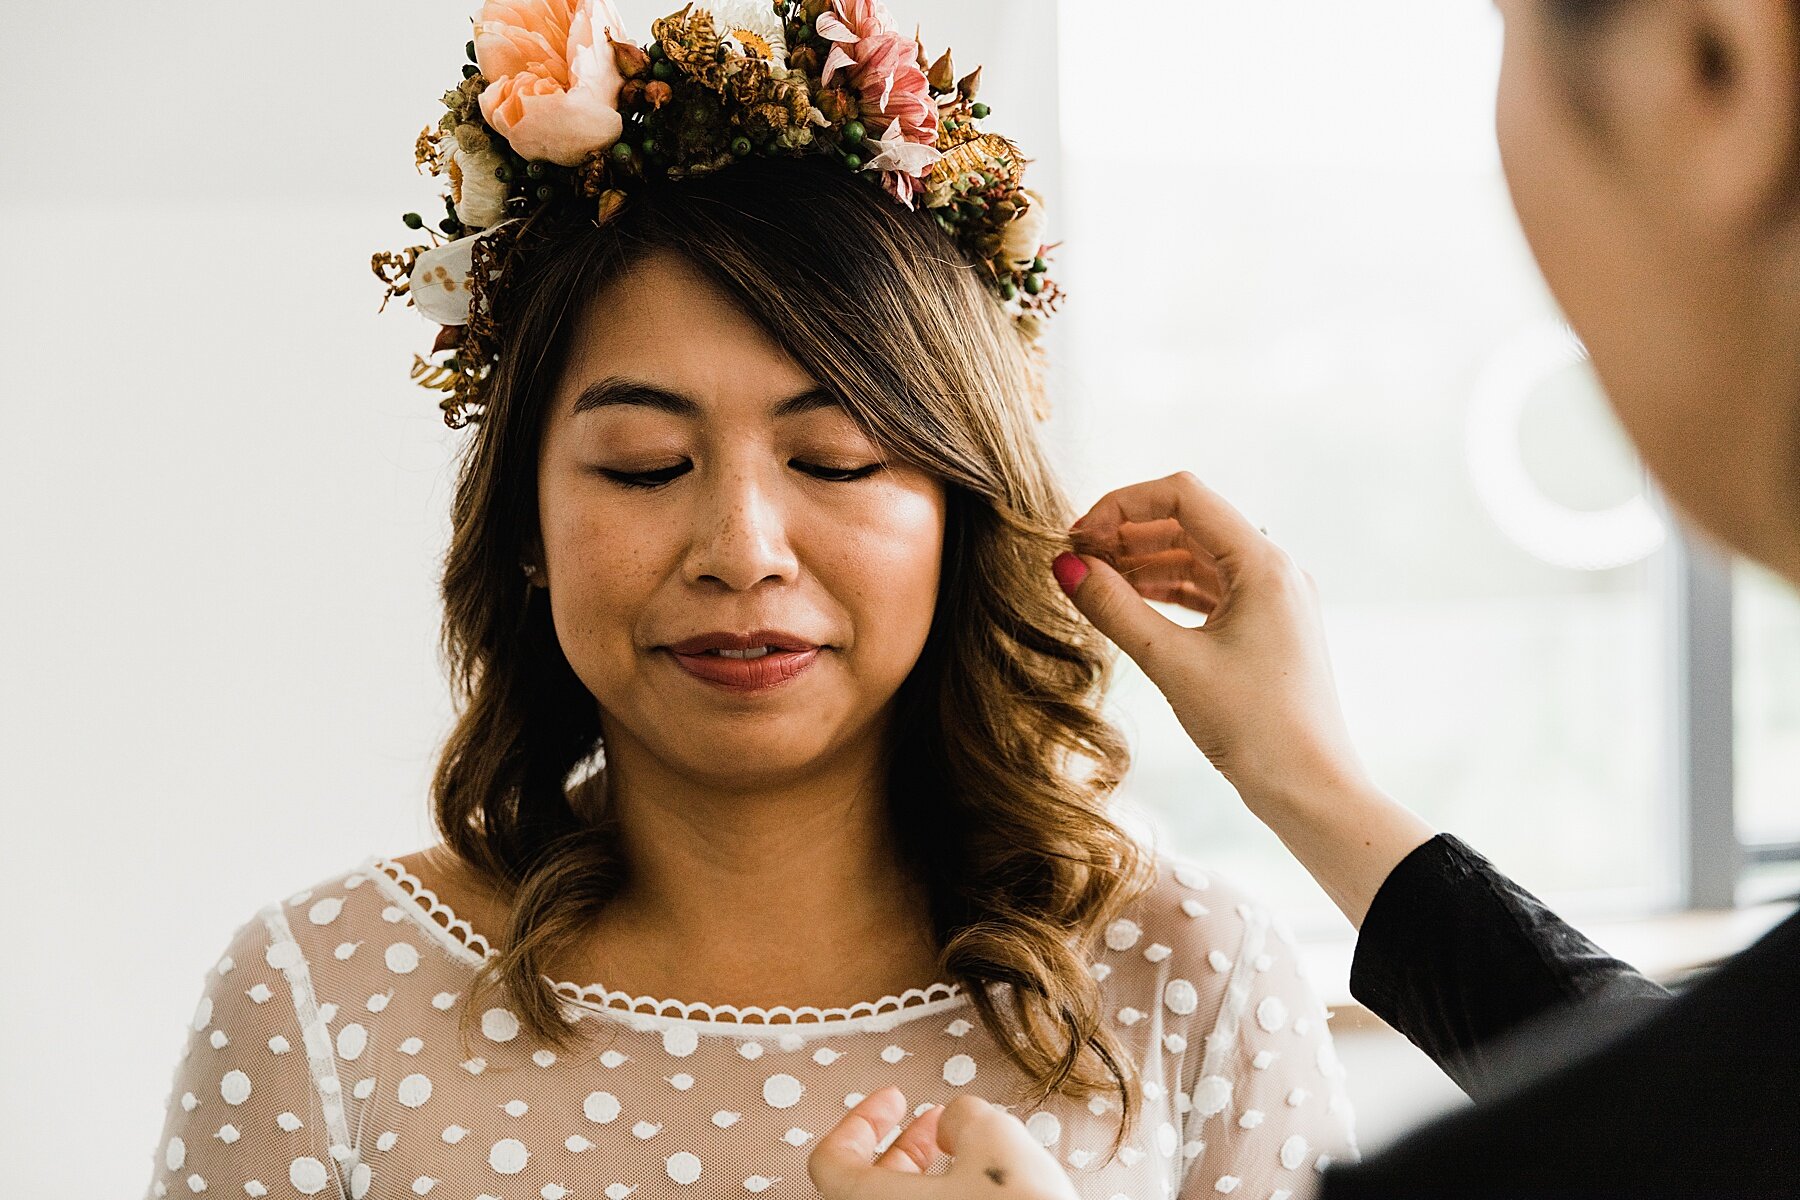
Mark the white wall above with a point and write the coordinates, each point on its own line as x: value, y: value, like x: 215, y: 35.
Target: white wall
x: 224, y: 505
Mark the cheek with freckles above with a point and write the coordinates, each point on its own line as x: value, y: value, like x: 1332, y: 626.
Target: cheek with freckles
x: 607, y: 569
x: 884, y: 573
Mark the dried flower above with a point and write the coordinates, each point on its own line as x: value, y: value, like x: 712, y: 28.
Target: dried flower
x: 611, y: 201
x: 440, y: 282
x: 902, y: 163
x: 1024, y: 234
x: 754, y: 26
x: 691, y: 42
x: 470, y: 161
x: 839, y: 104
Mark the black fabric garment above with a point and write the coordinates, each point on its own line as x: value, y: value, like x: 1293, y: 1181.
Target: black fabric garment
x: 1589, y: 1080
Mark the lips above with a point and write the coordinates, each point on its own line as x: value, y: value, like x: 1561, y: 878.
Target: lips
x: 775, y: 639
x: 788, y: 656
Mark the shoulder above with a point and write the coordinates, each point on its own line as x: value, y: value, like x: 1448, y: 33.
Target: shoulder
x: 257, y: 983
x: 1194, y: 917
x: 1190, y: 953
x: 374, y: 900
x: 445, y: 886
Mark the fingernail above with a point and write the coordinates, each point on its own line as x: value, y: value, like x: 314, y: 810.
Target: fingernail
x: 1069, y: 571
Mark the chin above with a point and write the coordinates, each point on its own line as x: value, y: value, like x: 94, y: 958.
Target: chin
x: 746, y: 764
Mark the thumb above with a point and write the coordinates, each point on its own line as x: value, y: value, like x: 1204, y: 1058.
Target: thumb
x: 1113, y: 606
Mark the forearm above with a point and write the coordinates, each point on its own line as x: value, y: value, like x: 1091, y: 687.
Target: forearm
x: 1450, y: 951
x: 1347, y: 833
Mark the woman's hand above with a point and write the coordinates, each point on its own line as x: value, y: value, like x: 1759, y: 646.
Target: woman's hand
x: 1252, y: 685
x: 994, y: 1156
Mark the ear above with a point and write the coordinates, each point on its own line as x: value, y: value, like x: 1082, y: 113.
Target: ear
x: 1702, y: 98
x: 531, y: 555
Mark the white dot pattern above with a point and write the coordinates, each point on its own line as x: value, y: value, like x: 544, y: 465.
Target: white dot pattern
x: 333, y: 1053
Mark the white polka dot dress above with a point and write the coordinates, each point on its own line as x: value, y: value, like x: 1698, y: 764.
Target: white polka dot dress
x: 323, y: 1059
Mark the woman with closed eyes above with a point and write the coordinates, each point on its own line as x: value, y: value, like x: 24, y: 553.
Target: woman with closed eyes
x: 775, y: 854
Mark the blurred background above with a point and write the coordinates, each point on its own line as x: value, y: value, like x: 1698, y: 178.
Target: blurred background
x: 1293, y: 270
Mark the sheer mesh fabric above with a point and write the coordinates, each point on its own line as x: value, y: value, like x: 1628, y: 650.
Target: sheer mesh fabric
x: 323, y: 1061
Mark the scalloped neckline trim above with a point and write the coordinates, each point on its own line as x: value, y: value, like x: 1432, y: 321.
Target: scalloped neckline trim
x: 465, y: 943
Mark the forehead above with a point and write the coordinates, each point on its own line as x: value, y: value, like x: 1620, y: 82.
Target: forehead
x: 664, y: 325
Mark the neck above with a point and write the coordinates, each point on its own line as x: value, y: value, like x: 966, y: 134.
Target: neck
x: 778, y: 892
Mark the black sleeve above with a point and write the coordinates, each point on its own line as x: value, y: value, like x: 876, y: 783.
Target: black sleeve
x: 1455, y: 956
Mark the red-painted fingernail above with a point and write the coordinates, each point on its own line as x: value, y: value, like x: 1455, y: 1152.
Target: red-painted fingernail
x: 1069, y: 571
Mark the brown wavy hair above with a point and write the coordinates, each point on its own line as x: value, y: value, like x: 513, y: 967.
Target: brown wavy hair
x: 997, y: 740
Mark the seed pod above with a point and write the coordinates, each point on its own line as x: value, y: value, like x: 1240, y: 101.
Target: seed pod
x: 632, y: 59
x: 611, y: 201
x: 943, y: 74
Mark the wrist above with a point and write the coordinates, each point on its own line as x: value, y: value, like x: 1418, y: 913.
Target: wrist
x: 1307, y: 793
x: 1346, y: 832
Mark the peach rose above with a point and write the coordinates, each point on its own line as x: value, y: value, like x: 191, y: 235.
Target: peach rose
x: 553, y: 88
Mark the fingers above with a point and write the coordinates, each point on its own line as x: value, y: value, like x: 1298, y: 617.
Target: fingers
x: 987, y: 1142
x: 842, y: 1164
x: 1133, y: 537
x: 916, y: 1148
x: 993, y: 1147
x: 1110, y: 603
x: 1183, y: 593
x: 1145, y: 572
x: 1217, y: 529
x: 969, y: 1121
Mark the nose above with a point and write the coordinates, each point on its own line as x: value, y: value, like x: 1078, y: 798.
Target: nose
x: 740, y: 536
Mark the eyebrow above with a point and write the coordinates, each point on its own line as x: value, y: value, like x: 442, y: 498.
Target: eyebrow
x: 612, y: 392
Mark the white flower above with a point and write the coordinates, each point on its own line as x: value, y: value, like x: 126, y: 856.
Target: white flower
x: 440, y: 279
x: 751, y: 16
x: 1024, y: 234
x: 898, y: 154
x: 477, y: 193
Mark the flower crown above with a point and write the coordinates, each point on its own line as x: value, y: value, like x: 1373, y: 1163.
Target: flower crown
x: 558, y: 115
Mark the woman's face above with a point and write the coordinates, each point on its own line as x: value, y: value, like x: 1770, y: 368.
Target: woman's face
x: 1637, y: 213
x: 697, y: 492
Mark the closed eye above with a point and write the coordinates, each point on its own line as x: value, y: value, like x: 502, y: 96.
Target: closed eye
x: 837, y: 474
x: 650, y: 480
x: 646, y: 479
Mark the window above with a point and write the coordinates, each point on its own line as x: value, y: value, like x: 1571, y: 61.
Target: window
x: 1293, y: 268
x: 1768, y: 707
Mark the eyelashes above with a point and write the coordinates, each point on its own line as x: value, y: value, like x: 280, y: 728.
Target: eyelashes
x: 651, y: 480
x: 644, y: 480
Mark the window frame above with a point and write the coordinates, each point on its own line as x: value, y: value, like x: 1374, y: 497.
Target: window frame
x: 1701, y: 716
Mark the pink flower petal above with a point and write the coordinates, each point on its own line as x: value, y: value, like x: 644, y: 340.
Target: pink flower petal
x: 835, y: 60
x: 899, y: 186
x: 834, y: 30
